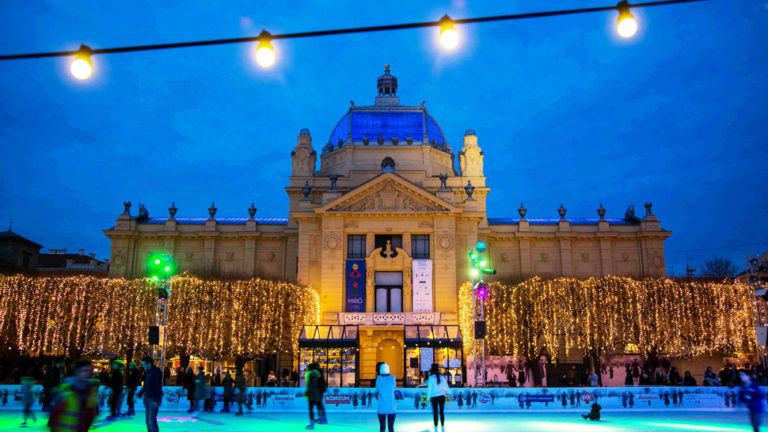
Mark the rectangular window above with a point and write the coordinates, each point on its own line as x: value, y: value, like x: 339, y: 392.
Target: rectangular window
x: 389, y: 291
x: 356, y: 247
x: 420, y: 246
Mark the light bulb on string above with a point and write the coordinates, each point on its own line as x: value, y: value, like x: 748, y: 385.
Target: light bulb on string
x: 449, y: 37
x: 626, y: 25
x: 82, y: 67
x: 265, y: 53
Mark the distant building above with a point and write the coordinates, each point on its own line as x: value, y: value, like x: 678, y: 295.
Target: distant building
x: 756, y: 271
x: 17, y: 252
x: 58, y: 260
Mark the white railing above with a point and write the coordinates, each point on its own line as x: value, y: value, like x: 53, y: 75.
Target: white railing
x: 388, y: 318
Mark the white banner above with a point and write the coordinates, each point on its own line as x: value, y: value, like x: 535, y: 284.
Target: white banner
x: 422, y: 285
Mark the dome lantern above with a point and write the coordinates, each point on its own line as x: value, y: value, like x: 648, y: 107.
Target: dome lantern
x: 386, y: 87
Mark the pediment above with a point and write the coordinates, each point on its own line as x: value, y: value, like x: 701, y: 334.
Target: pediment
x: 388, y: 193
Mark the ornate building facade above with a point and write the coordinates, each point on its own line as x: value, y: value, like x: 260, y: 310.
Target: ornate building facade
x: 382, y: 228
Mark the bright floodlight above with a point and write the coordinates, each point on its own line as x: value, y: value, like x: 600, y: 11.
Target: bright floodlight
x: 627, y: 24
x: 265, y: 54
x: 81, y: 67
x: 449, y: 37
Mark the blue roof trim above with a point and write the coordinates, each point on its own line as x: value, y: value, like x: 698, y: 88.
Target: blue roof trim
x: 554, y: 221
x: 220, y: 221
x: 387, y: 122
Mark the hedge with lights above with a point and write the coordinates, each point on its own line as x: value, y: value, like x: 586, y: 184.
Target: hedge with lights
x: 78, y: 315
x: 612, y: 314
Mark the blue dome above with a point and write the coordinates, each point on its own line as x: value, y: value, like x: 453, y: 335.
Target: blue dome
x: 392, y: 124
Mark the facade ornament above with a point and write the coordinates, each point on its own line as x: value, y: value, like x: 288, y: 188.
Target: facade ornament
x: 366, y: 140
x: 127, y: 208
x: 143, y: 213
x: 469, y: 189
x: 562, y: 211
x: 334, y: 178
x: 601, y: 212
x: 388, y: 165
x: 630, y: 213
x: 172, y: 210
x: 212, y: 210
x: 305, y: 190
x: 409, y: 140
x: 395, y: 140
x: 351, y: 104
x: 522, y: 211
x: 252, y: 211
x: 648, y: 208
x: 443, y: 182
x: 380, y: 140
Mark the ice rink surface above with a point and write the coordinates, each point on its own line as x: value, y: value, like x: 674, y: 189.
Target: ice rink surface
x: 713, y: 421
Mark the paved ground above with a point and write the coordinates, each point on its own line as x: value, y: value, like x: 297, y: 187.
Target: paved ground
x: 477, y: 422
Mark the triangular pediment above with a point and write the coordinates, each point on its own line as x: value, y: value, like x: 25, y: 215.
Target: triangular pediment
x: 388, y: 193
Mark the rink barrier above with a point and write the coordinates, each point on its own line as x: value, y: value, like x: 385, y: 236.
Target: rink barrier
x: 415, y: 399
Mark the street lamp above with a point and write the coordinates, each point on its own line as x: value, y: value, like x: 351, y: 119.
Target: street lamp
x: 478, y: 266
x: 626, y: 24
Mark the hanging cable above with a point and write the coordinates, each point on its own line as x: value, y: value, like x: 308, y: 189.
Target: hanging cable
x: 622, y: 8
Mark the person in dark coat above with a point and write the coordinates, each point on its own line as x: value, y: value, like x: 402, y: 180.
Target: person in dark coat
x: 52, y: 379
x: 315, y: 389
x: 594, y: 412
x: 132, y: 381
x: 240, y: 388
x: 116, y: 383
x: 189, y: 386
x: 688, y: 379
x: 152, y: 392
x: 201, y: 388
x: 752, y: 397
x: 229, y: 389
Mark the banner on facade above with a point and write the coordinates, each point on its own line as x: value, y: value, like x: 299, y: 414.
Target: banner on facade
x: 355, y: 275
x: 422, y: 285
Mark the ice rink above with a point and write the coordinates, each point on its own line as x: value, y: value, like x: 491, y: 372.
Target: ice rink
x: 714, y: 421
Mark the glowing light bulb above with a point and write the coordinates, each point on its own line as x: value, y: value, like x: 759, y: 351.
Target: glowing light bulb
x: 626, y: 25
x: 265, y: 53
x: 474, y: 273
x: 157, y: 261
x: 81, y: 67
x: 449, y: 37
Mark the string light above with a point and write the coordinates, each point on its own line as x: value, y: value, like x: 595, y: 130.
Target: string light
x: 680, y: 318
x: 87, y: 315
x: 265, y: 53
x: 626, y: 25
x: 82, y: 67
x: 449, y: 37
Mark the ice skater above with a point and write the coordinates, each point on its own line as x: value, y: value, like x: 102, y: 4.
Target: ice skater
x: 594, y: 412
x: 437, y: 389
x: 752, y: 397
x: 27, y: 398
x: 315, y: 388
x: 385, y: 392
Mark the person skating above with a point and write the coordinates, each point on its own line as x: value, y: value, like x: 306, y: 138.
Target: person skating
x: 189, y: 386
x: 116, y: 383
x: 132, y: 381
x: 751, y: 396
x: 437, y: 389
x: 385, y: 391
x: 594, y: 412
x: 201, y: 388
x: 315, y: 389
x: 229, y: 384
x: 27, y: 398
x: 53, y: 375
x: 152, y: 392
x: 75, y: 402
x: 240, y: 388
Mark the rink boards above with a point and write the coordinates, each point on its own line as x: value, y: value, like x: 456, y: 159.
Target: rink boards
x: 415, y: 399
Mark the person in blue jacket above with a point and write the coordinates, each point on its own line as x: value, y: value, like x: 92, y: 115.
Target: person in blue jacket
x: 751, y: 396
x: 385, y: 391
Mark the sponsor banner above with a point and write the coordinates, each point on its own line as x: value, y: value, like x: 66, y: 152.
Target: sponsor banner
x: 355, y: 276
x: 422, y: 285
x: 415, y: 399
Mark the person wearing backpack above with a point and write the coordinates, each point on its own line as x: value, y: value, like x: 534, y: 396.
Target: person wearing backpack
x: 385, y: 392
x: 437, y: 389
x: 316, y: 387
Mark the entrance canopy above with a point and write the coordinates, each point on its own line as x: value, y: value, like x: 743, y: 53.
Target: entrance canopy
x: 438, y: 336
x: 329, y: 336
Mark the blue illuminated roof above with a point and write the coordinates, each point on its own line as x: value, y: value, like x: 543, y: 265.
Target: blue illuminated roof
x: 221, y: 221
x: 389, y: 122
x: 554, y: 221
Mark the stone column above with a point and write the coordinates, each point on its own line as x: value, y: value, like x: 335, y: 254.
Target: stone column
x: 249, y: 257
x: 526, y: 267
x: 565, y: 257
x: 606, y: 264
x: 332, y: 265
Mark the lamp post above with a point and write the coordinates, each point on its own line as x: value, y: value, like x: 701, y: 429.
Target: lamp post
x: 478, y: 266
x: 160, y: 269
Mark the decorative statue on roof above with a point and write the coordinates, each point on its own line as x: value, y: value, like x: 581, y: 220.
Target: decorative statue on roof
x: 127, y: 208
x: 143, y: 214
x: 443, y: 182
